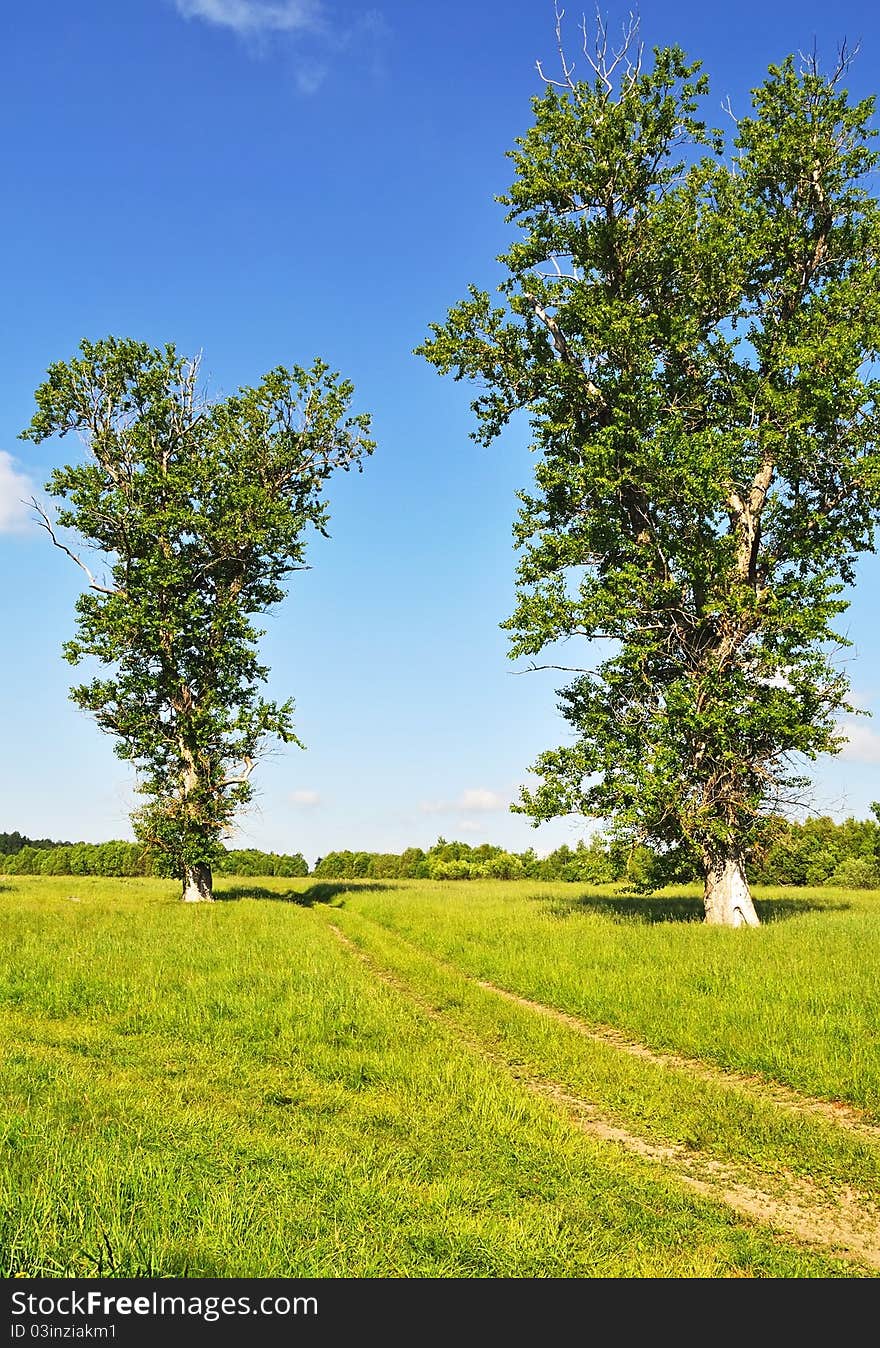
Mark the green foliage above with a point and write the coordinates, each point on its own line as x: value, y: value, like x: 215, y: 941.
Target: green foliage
x: 250, y: 861
x: 199, y: 510
x: 691, y: 336
x: 596, y: 861
x: 855, y: 873
x: 819, y: 852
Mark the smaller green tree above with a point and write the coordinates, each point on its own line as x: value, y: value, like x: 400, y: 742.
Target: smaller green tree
x: 504, y: 866
x: 413, y: 864
x: 199, y: 510
x: 24, y: 862
x: 56, y: 861
x: 292, y: 865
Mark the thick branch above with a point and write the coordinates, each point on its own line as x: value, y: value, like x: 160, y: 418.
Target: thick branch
x: 241, y: 779
x: 565, y: 351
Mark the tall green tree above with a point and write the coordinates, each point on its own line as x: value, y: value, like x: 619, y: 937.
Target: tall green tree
x: 200, y: 511
x: 689, y: 320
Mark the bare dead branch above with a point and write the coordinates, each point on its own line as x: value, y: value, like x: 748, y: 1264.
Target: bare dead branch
x: 726, y: 107
x: 45, y: 523
x: 243, y: 776
x: 599, y: 61
x: 567, y: 70
x: 602, y: 60
x: 810, y: 63
x: 565, y: 669
x: 561, y: 345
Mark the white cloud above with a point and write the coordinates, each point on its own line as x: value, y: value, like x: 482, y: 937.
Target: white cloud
x: 15, y: 488
x: 480, y: 799
x: 306, y: 800
x: 474, y: 799
x: 863, y: 743
x: 250, y: 17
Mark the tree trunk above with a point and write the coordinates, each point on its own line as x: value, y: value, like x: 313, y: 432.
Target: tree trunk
x: 198, y: 883
x: 727, y: 898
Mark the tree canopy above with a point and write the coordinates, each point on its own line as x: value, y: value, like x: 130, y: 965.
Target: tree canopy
x: 689, y: 319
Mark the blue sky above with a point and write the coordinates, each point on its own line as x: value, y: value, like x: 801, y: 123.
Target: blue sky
x: 268, y: 182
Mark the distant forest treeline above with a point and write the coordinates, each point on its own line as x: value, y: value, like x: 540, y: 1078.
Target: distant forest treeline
x: 42, y: 856
x: 817, y: 852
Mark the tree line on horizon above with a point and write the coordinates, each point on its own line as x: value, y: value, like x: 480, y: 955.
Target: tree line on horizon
x: 815, y: 852
x: 20, y: 855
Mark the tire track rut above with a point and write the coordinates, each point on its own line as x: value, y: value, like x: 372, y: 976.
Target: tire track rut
x: 838, y: 1112
x: 846, y: 1225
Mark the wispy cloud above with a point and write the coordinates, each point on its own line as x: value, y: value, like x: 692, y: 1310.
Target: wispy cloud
x: 306, y: 800
x: 472, y: 799
x: 480, y: 799
x: 309, y: 78
x: 311, y: 35
x: 15, y: 489
x: 252, y: 17
x: 862, y: 743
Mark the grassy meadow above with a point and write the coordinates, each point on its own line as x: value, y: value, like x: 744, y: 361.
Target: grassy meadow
x: 326, y: 1079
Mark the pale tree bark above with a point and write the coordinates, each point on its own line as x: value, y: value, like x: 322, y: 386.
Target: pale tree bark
x: 198, y: 883
x: 726, y: 897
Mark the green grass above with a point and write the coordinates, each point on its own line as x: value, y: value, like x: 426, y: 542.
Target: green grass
x: 724, y: 1120
x: 228, y: 1091
x: 797, y: 999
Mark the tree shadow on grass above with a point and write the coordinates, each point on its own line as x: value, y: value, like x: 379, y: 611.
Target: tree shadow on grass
x: 324, y: 892
x: 650, y: 909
